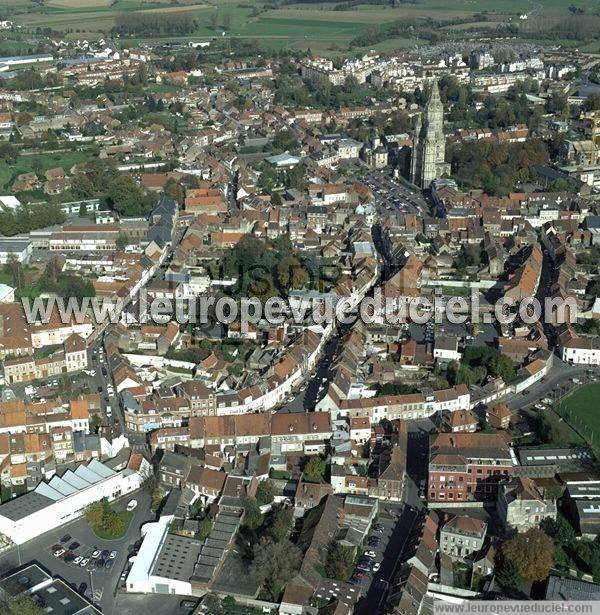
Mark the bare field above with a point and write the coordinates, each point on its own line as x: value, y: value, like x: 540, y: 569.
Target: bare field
x: 78, y: 4
x: 179, y: 9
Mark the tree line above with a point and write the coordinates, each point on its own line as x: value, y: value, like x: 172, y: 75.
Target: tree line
x: 154, y: 24
x: 29, y: 217
x: 497, y: 167
x: 102, y: 179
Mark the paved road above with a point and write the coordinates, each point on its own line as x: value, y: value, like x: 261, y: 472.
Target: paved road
x: 402, y: 534
x: 104, y: 581
x: 313, y: 390
x: 561, y: 374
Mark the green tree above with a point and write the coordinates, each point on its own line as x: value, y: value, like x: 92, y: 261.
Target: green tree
x: 157, y: 497
x: 276, y: 200
x: 274, y: 564
x: 563, y: 531
x: 94, y: 513
x: 291, y: 273
x: 95, y: 423
x: 314, y: 470
x: 532, y: 553
x: 286, y: 140
x: 281, y: 524
x: 204, y: 528
x: 24, y: 605
x: 265, y: 492
x: 252, y: 516
x: 175, y: 190
x: 125, y: 195
x: 339, y: 561
x: 8, y: 152
x: 15, y: 269
x: 508, y: 575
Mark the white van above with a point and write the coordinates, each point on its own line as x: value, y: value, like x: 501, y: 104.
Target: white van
x: 108, y: 411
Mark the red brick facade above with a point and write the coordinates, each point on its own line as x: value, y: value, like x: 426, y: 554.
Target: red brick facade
x: 465, y: 467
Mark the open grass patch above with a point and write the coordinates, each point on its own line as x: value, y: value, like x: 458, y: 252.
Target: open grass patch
x: 105, y: 522
x: 580, y: 410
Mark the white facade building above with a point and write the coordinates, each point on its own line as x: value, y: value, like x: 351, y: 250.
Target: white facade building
x: 64, y: 499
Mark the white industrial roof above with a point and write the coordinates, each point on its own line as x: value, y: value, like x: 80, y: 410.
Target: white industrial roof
x: 84, y: 476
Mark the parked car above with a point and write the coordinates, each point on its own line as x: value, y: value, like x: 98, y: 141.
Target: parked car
x: 66, y: 538
x: 84, y: 562
x: 82, y: 588
x: 113, y: 554
x: 58, y: 552
x: 69, y: 556
x: 77, y: 560
x: 74, y: 545
x: 131, y: 505
x: 376, y: 567
x: 95, y: 553
x: 56, y: 547
x: 370, y: 554
x: 109, y: 564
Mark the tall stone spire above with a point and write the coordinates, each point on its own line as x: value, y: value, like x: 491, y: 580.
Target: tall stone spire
x: 429, y: 144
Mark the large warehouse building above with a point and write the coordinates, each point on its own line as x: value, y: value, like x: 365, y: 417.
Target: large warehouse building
x: 65, y: 498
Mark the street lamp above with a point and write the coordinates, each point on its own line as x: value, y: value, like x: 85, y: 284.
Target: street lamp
x: 90, y: 572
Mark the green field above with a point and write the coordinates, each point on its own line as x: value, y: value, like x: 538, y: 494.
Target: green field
x: 297, y: 26
x: 582, y: 411
x: 40, y: 163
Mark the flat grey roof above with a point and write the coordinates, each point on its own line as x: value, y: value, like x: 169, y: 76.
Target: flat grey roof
x: 24, y: 579
x: 59, y: 599
x: 24, y: 506
x: 549, y: 456
x: 177, y: 558
x: 203, y: 572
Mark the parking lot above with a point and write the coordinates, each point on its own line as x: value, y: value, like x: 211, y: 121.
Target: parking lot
x: 394, y: 196
x: 95, y: 561
x: 370, y: 563
x: 397, y: 521
x: 103, y: 580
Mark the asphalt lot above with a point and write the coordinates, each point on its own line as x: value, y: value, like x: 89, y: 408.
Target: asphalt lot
x: 392, y: 195
x: 399, y: 523
x: 104, y: 581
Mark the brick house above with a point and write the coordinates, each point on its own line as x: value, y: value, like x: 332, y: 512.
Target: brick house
x: 467, y: 466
